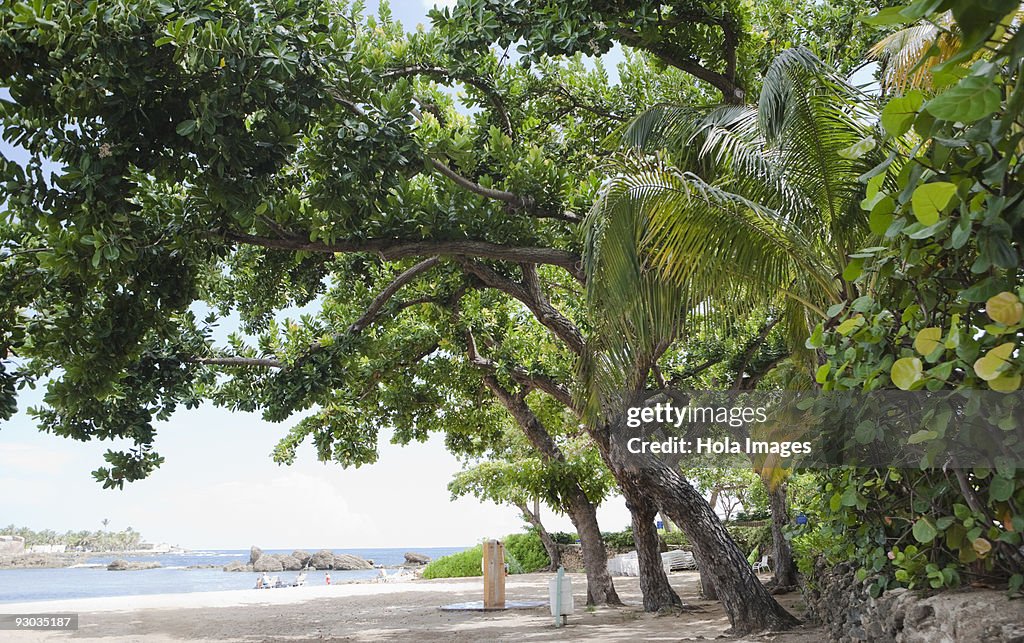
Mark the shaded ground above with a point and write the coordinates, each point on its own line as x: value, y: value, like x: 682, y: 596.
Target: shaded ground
x: 414, y: 615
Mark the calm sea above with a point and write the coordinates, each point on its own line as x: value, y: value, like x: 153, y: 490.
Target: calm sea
x: 18, y: 585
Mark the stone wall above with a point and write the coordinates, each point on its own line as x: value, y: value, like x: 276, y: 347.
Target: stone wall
x: 12, y: 545
x: 836, y: 599
x: 572, y: 557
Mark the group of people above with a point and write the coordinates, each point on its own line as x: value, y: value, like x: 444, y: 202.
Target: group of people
x: 265, y: 582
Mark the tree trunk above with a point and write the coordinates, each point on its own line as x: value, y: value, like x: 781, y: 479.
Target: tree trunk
x: 707, y: 586
x: 746, y: 601
x: 784, y: 566
x: 583, y: 513
x: 657, y: 592
x: 550, y: 546
x: 665, y: 521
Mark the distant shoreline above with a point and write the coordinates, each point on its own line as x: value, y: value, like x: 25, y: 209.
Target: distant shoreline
x: 58, y: 561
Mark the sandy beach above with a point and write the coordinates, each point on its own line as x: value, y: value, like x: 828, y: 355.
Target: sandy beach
x: 387, y: 611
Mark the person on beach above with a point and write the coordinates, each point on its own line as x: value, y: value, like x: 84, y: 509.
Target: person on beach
x: 259, y: 582
x: 327, y: 578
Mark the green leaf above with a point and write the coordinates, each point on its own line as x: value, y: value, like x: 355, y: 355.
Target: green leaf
x: 850, y: 325
x: 858, y: 149
x: 900, y: 112
x: 1001, y: 489
x: 930, y: 199
x: 186, y: 127
x: 972, y: 99
x: 881, y: 215
x: 924, y: 531
x: 822, y: 373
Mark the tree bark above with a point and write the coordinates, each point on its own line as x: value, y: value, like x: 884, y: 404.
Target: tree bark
x: 747, y: 602
x: 784, y: 566
x: 550, y: 546
x: 657, y: 592
x: 600, y: 588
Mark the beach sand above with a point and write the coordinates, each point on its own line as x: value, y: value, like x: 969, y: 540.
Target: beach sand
x: 388, y: 611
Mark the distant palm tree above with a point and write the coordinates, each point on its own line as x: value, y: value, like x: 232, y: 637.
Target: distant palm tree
x: 105, y: 521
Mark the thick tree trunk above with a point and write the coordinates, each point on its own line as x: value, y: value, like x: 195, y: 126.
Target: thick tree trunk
x: 550, y: 546
x: 784, y: 566
x: 600, y: 588
x: 657, y: 592
x: 749, y: 605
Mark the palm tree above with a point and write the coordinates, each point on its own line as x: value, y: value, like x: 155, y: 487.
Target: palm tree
x: 717, y: 212
x: 738, y: 207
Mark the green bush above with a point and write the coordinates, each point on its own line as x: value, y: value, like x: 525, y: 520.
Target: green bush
x: 675, y: 537
x: 749, y: 538
x: 619, y: 539
x: 563, y: 538
x: 527, y: 550
x: 464, y: 563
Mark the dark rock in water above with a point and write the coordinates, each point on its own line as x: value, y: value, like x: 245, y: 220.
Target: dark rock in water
x: 348, y: 561
x: 412, y: 558
x: 202, y: 567
x: 238, y: 566
x: 268, y: 563
x: 302, y: 556
x: 254, y: 554
x: 323, y: 559
x: 290, y: 563
x: 120, y: 565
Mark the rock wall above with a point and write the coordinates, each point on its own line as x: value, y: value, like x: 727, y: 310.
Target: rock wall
x: 836, y: 599
x: 572, y: 557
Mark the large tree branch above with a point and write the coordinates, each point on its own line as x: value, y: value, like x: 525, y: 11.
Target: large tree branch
x: 517, y: 407
x: 529, y: 294
x: 670, y: 55
x: 373, y: 310
x: 392, y: 249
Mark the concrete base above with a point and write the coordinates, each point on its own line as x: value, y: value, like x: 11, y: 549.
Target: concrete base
x: 478, y: 606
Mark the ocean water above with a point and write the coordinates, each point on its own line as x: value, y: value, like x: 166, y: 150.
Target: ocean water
x: 174, y: 577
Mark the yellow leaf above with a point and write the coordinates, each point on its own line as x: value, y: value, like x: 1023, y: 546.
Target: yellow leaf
x: 982, y: 546
x: 906, y: 372
x: 989, y: 367
x: 927, y: 340
x: 1005, y: 383
x: 1005, y: 308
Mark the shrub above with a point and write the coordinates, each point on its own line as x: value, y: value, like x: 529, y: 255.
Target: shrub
x: 464, y: 563
x: 619, y: 539
x: 676, y: 537
x: 563, y: 538
x: 527, y: 550
x: 749, y: 538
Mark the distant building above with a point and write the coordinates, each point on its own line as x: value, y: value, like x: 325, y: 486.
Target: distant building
x: 47, y: 549
x: 12, y: 545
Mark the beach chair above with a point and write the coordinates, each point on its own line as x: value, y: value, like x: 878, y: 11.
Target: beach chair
x: 762, y: 565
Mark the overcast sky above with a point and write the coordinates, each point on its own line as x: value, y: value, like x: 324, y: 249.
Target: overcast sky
x: 219, y: 488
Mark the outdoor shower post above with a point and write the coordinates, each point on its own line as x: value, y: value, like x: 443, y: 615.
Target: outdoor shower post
x: 494, y: 575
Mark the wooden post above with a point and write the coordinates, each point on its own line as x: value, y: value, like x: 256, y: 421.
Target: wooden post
x: 494, y: 575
